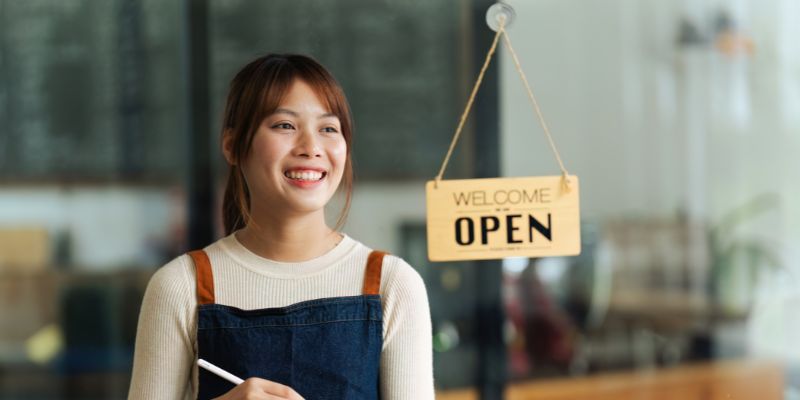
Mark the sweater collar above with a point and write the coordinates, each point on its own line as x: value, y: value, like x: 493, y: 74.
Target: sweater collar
x: 248, y: 259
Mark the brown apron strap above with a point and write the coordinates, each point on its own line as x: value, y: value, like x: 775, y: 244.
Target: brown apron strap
x: 205, y: 280
x: 372, y: 277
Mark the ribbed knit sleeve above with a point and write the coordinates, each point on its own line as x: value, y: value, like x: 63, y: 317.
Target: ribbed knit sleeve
x: 165, y: 354
x: 407, y: 356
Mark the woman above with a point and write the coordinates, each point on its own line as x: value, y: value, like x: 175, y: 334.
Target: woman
x: 295, y: 307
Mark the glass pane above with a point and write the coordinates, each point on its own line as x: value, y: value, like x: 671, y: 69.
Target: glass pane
x: 680, y: 118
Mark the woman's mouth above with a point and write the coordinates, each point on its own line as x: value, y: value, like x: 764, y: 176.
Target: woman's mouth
x: 304, y: 178
x: 305, y: 175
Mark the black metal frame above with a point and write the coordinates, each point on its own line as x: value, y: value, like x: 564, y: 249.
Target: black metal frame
x: 200, y: 177
x: 491, y: 375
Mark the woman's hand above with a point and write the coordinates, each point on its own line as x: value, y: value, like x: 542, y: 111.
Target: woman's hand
x: 260, y: 389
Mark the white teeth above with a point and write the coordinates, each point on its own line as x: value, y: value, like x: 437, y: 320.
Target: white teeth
x: 304, y: 175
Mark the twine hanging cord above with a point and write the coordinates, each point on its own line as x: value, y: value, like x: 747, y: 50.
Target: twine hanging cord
x: 502, y: 32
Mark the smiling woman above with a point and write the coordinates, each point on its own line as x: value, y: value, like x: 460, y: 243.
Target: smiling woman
x: 298, y: 155
x: 297, y: 308
x: 290, y: 95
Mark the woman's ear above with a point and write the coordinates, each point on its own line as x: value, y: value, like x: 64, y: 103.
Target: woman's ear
x: 227, y: 146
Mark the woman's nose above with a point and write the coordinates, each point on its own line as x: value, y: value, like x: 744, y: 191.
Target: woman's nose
x: 308, y: 145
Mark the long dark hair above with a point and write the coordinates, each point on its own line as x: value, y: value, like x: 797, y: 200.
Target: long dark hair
x: 255, y: 93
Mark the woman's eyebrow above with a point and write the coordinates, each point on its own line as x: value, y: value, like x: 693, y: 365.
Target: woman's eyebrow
x: 285, y: 111
x: 297, y: 115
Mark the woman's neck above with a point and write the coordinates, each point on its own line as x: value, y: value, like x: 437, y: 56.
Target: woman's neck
x: 289, y: 239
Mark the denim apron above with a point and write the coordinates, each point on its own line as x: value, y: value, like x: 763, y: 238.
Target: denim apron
x: 323, y: 349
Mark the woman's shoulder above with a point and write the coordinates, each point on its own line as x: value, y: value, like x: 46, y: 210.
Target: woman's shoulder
x: 175, y: 276
x: 396, y: 273
x: 401, y: 276
x: 170, y: 293
x: 402, y: 288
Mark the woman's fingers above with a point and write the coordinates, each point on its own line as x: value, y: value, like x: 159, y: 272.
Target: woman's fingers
x: 261, y: 389
x: 275, y: 389
x: 273, y: 397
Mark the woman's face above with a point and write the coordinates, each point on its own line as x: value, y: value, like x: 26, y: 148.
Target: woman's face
x: 298, y: 155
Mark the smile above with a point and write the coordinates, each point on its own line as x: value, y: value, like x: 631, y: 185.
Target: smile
x: 305, y: 175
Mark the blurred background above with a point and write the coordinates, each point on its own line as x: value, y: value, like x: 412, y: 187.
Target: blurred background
x: 681, y: 118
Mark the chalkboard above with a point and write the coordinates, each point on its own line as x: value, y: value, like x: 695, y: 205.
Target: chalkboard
x: 96, y: 89
x: 400, y: 63
x: 91, y: 90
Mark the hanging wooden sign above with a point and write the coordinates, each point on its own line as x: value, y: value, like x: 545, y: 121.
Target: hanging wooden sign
x: 477, y: 219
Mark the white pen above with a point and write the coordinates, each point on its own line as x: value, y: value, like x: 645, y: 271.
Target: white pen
x: 219, y: 372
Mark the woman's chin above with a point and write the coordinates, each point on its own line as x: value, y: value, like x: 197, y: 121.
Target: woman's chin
x: 307, y: 205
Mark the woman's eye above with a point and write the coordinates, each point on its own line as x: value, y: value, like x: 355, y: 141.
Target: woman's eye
x: 283, y: 125
x: 330, y: 129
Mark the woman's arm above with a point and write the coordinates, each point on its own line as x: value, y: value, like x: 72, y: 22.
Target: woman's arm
x: 407, y: 356
x: 164, y: 356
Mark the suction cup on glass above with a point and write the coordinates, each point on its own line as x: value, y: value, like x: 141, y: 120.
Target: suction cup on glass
x: 498, y: 13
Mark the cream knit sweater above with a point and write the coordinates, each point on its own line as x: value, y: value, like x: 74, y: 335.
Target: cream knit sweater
x: 166, y: 350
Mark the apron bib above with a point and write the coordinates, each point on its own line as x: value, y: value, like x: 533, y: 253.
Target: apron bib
x: 323, y: 349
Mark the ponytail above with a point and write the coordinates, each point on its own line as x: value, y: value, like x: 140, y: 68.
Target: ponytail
x: 236, y: 203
